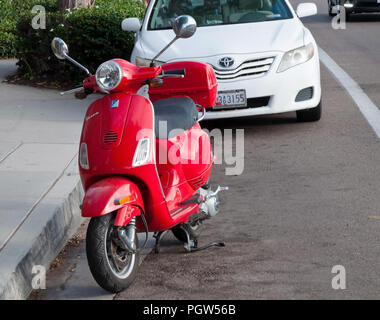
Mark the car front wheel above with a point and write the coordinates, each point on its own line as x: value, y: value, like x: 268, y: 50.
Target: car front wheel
x: 348, y: 15
x: 309, y: 115
x: 331, y: 14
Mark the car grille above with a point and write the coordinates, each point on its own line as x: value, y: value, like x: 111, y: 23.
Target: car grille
x: 258, y: 102
x: 246, y: 69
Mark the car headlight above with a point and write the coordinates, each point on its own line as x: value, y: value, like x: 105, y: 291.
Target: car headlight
x: 295, y: 57
x: 109, y: 75
x: 141, y: 62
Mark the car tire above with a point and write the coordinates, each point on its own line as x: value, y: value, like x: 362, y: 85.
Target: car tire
x: 310, y: 115
x: 348, y: 15
x: 330, y: 6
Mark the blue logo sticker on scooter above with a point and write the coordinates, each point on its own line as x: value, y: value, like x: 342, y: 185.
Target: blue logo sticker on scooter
x: 115, y: 104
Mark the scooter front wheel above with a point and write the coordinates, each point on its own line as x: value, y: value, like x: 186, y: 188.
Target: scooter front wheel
x: 112, y: 267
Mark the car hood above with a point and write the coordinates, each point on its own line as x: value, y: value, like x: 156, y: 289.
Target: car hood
x: 270, y: 36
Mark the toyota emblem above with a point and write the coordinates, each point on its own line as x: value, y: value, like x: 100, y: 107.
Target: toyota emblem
x: 226, y: 62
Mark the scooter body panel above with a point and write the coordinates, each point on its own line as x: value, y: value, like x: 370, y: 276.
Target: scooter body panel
x: 113, y: 194
x: 113, y: 154
x: 121, y: 165
x: 184, y: 165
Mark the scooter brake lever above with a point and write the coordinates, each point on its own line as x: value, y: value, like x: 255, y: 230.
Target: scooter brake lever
x: 161, y: 76
x: 83, y: 94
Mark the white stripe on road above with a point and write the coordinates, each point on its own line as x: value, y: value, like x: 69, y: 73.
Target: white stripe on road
x: 364, y: 103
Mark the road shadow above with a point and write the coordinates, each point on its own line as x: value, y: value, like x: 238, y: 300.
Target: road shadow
x: 250, y: 122
x: 7, y: 67
x: 79, y: 292
x: 354, y: 18
x: 364, y: 17
x: 318, y: 18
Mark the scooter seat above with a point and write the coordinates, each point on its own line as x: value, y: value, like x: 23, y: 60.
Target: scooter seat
x: 180, y: 114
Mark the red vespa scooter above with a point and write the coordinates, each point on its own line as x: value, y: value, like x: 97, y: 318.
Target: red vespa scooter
x: 137, y: 172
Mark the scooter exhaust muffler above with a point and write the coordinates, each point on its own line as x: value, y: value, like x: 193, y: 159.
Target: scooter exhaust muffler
x: 210, y: 205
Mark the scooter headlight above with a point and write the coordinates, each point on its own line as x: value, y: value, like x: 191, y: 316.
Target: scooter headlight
x: 109, y: 75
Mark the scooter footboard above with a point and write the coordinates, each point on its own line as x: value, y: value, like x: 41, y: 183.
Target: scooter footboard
x: 113, y: 194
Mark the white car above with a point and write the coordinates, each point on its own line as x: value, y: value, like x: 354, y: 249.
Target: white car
x: 264, y: 58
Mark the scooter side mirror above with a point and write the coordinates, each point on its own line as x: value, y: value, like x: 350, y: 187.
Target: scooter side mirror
x: 61, y: 51
x: 184, y: 26
x: 131, y: 24
x: 60, y: 48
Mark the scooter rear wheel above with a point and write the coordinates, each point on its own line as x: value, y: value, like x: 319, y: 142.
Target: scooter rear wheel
x: 112, y: 267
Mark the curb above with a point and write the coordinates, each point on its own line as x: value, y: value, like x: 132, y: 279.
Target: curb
x: 42, y: 236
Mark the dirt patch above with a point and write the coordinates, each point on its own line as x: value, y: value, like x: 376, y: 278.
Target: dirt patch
x: 46, y: 82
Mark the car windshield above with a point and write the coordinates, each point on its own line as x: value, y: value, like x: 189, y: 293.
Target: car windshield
x: 217, y: 12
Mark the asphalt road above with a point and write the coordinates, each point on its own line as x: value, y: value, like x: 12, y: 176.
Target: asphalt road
x: 308, y: 198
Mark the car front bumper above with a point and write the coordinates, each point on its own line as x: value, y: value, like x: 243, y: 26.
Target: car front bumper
x: 360, y: 6
x: 281, y: 89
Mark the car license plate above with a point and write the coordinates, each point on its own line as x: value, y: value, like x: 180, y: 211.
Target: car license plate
x: 231, y: 99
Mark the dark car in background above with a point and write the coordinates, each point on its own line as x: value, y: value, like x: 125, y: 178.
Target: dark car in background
x: 353, y: 6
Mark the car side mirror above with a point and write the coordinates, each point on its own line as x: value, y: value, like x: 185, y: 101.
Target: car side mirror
x: 131, y: 24
x: 306, y: 9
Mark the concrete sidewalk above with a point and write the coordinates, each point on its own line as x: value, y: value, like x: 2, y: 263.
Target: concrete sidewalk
x: 40, y: 191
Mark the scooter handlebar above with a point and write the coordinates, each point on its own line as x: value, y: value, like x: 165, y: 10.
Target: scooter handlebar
x: 179, y: 72
x: 77, y: 89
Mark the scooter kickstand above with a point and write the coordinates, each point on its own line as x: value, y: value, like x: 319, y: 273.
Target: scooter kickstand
x: 189, y: 245
x: 158, y: 236
x: 211, y: 244
x: 192, y: 245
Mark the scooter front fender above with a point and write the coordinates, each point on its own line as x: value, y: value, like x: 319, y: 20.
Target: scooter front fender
x: 113, y: 194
